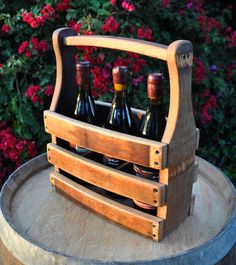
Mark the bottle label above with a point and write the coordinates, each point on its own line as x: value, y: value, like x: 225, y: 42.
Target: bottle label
x: 111, y: 162
x: 119, y: 87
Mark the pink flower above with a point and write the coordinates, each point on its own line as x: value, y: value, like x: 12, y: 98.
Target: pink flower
x: 113, y: 2
x: 5, y: 28
x: 128, y: 6
x: 22, y: 47
x: 110, y: 25
x: 136, y: 81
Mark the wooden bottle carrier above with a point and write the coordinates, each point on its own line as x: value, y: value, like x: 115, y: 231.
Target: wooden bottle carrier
x: 174, y: 156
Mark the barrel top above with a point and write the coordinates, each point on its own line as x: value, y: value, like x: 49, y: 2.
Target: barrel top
x: 35, y: 218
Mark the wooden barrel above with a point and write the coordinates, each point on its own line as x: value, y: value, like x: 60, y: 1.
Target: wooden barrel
x: 39, y: 226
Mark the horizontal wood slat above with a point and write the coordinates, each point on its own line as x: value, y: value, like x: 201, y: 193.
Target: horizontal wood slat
x: 107, y: 178
x: 122, y: 146
x: 135, y: 220
x: 147, y: 48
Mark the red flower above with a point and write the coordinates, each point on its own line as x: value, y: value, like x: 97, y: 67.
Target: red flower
x: 212, y: 23
x: 165, y: 3
x: 29, y: 18
x: 76, y: 26
x: 128, y: 6
x: 42, y: 46
x: 113, y: 2
x: 28, y: 54
x: 49, y: 90
x: 231, y: 39
x: 137, y: 65
x: 209, y: 105
x: 144, y: 33
x: 63, y: 5
x: 202, y: 21
x: 1, y: 65
x: 199, y: 71
x: 110, y: 25
x: 121, y: 62
x: 22, y: 47
x: 47, y: 12
x: 5, y: 28
x: 205, y: 93
x: 32, y: 93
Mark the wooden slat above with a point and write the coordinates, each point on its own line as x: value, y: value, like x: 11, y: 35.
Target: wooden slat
x: 107, y: 178
x: 135, y: 220
x: 147, y: 48
x: 122, y: 146
x: 178, y: 199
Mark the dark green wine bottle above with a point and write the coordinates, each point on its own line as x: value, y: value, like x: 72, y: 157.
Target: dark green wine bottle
x: 152, y: 128
x: 120, y: 116
x: 85, y: 109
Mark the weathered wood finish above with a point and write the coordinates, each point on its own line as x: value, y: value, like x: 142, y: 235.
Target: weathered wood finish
x: 129, y: 148
x: 174, y: 156
x: 38, y: 226
x: 104, y: 177
x: 145, y: 224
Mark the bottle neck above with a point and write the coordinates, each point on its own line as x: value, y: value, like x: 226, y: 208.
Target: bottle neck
x: 155, y: 104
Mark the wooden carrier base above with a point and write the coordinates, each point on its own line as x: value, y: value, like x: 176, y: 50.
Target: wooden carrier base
x: 174, y: 156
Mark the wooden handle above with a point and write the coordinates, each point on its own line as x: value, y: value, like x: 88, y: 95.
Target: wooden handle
x: 147, y: 48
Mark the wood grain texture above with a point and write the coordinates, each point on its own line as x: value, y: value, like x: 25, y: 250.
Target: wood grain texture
x: 135, y: 220
x: 126, y: 147
x: 147, y: 48
x: 178, y: 200
x: 39, y: 226
x: 65, y: 92
x: 180, y: 133
x: 107, y: 178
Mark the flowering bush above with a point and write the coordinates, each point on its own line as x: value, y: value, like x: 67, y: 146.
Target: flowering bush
x: 27, y: 65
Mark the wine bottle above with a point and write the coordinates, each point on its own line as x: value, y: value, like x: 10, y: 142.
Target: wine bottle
x: 153, y: 127
x: 85, y: 109
x: 120, y: 116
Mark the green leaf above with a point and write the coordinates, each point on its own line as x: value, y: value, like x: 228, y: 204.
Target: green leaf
x: 95, y: 3
x: 103, y: 12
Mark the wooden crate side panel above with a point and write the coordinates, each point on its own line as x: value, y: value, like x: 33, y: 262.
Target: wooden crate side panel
x: 107, y: 178
x: 178, y: 199
x: 125, y: 147
x: 180, y: 133
x: 65, y: 93
x: 140, y: 222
